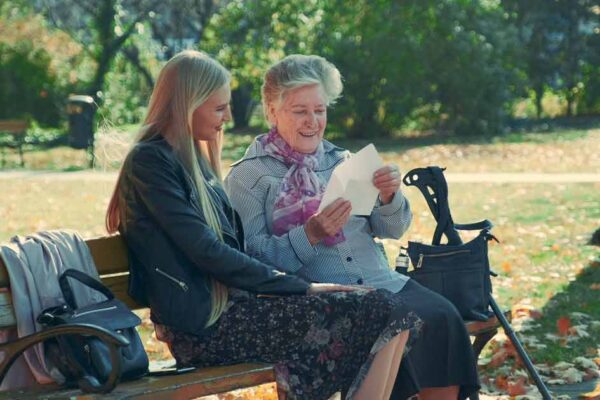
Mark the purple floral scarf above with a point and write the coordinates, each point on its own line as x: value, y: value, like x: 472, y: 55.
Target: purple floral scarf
x: 301, y: 189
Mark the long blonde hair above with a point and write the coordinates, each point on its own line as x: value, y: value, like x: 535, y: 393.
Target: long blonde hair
x: 184, y: 83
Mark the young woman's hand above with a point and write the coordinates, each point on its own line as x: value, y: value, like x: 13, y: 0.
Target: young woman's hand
x: 327, y: 222
x: 387, y: 180
x: 333, y: 287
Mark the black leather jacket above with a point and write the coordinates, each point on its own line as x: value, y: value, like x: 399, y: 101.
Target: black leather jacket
x: 172, y: 250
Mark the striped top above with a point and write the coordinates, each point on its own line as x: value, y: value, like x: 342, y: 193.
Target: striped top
x: 253, y: 185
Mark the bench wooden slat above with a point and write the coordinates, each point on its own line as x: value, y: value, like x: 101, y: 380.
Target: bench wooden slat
x: 109, y: 254
x: 118, y: 285
x: 185, y: 386
x: 479, y: 327
x: 14, y: 126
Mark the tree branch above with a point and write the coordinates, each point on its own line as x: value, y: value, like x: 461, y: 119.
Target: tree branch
x: 132, y: 54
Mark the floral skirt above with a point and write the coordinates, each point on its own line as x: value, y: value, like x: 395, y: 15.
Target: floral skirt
x: 320, y: 344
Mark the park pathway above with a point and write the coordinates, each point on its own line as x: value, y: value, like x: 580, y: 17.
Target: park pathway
x: 477, y: 177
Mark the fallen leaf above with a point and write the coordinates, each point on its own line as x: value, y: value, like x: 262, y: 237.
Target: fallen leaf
x: 501, y: 382
x: 576, y: 315
x: 579, y: 330
x: 593, y: 395
x: 572, y: 375
x: 591, y: 352
x: 506, y: 267
x: 498, y: 358
x: 525, y: 310
x: 517, y: 387
x: 563, y: 324
x: 585, y: 363
x: 591, y: 374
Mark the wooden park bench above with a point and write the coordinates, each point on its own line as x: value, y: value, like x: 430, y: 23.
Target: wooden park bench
x: 110, y: 256
x: 12, y: 135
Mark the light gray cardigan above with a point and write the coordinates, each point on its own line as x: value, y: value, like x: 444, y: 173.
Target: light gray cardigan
x: 34, y: 264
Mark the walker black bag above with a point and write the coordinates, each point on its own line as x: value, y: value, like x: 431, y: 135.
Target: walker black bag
x: 83, y: 357
x: 458, y: 271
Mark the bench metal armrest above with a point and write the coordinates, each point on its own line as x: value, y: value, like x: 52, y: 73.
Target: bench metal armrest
x: 12, y: 350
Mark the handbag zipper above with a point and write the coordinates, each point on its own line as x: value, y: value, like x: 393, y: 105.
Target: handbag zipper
x: 422, y: 256
x: 75, y: 315
x: 181, y: 284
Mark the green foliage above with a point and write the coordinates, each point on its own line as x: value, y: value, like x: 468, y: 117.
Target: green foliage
x: 39, y: 66
x: 559, y: 46
x: 29, y: 85
x: 422, y: 76
x: 455, y: 66
x: 26, y: 87
x: 44, y: 137
x: 126, y: 91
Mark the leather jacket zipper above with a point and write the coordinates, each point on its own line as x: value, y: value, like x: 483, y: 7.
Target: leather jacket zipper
x: 181, y: 284
x: 75, y: 315
x: 422, y: 256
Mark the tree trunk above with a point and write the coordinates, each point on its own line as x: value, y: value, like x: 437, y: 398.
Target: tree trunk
x: 539, y: 93
x: 570, y: 102
x: 242, y: 106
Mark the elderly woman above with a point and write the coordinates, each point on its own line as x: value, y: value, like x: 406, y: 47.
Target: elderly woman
x: 277, y: 187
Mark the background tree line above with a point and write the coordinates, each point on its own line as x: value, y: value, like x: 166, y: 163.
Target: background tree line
x: 456, y: 66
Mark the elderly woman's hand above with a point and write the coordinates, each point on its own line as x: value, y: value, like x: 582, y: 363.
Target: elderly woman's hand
x: 387, y: 180
x: 327, y: 222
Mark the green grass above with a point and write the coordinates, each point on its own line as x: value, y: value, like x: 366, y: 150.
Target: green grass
x: 543, y: 259
x: 567, y: 135
x: 580, y: 292
x: 558, y: 151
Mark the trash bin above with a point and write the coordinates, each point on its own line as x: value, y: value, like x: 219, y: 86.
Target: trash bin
x: 81, y: 110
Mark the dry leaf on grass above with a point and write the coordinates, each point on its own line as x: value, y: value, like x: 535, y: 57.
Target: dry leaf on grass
x: 518, y: 387
x: 585, y: 363
x: 562, y: 325
x: 593, y: 395
x: 525, y: 311
x: 571, y: 375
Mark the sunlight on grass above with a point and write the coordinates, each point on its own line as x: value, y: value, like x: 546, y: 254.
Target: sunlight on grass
x: 553, y: 152
x: 543, y: 260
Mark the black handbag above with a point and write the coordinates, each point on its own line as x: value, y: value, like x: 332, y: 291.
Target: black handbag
x: 87, y: 358
x: 458, y: 271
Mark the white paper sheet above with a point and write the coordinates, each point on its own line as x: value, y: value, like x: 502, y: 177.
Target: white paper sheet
x: 352, y: 180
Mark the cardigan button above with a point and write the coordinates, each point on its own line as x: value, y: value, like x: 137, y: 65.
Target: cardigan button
x: 360, y: 281
x: 348, y: 259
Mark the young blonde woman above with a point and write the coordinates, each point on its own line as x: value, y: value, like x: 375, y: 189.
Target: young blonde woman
x: 185, y: 245
x: 277, y: 188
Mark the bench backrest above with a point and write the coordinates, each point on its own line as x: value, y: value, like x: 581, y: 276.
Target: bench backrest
x: 110, y: 256
x: 14, y: 125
